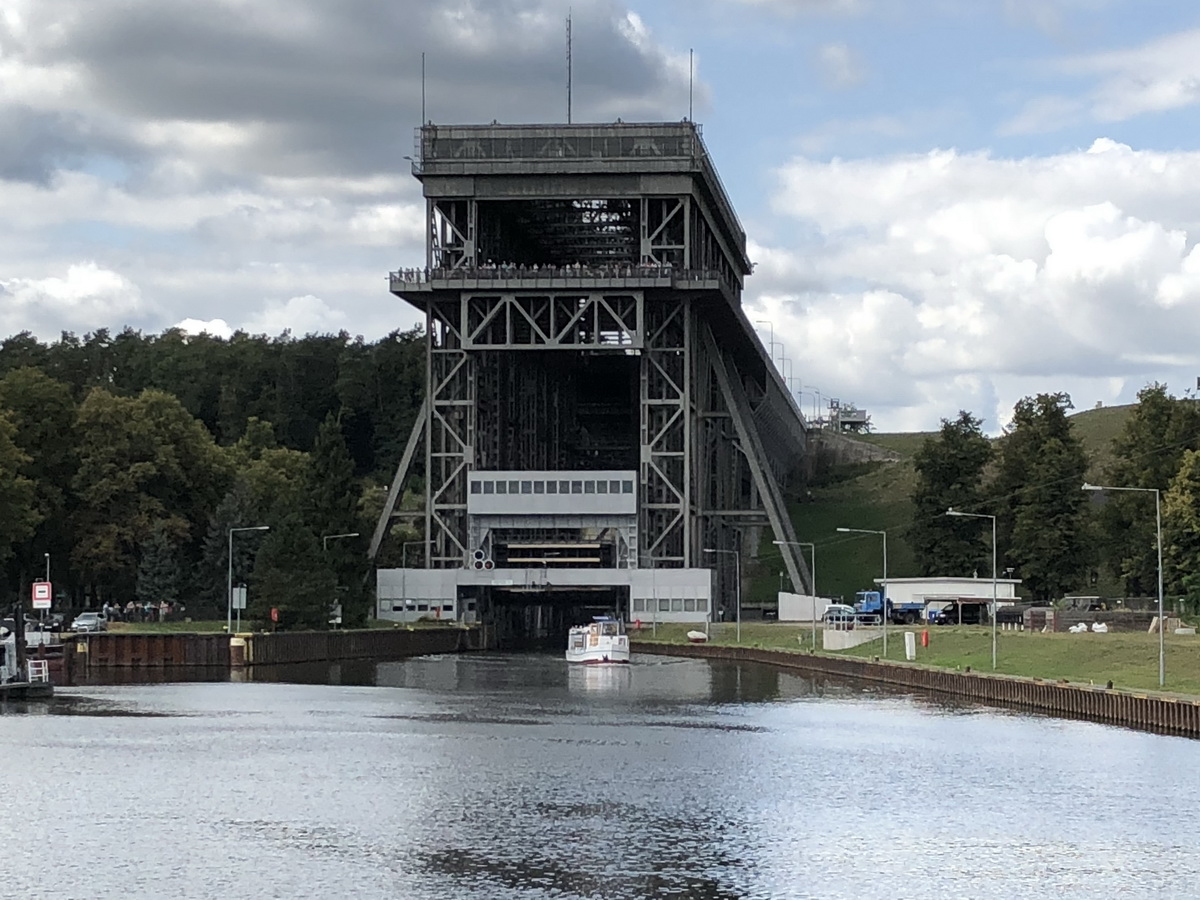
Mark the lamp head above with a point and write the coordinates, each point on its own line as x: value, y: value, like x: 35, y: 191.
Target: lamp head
x: 1091, y: 487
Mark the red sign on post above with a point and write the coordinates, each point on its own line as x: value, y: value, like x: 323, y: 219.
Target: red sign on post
x: 43, y: 595
x: 274, y: 614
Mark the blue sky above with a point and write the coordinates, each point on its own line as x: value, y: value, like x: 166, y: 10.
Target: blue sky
x: 951, y: 203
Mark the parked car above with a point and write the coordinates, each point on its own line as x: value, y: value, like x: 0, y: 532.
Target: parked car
x: 839, y: 614
x: 89, y: 621
x: 962, y: 614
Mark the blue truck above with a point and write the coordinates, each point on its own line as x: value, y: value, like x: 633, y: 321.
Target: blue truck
x: 869, y: 605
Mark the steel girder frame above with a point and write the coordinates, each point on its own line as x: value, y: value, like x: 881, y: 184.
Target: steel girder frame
x: 665, y: 412
x: 393, y: 497
x: 758, y: 460
x: 449, y: 434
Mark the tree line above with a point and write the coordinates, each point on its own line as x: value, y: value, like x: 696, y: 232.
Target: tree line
x: 127, y: 459
x: 1051, y: 533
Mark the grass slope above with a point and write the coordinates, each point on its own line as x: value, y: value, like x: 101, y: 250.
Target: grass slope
x: 877, y: 497
x: 1129, y: 660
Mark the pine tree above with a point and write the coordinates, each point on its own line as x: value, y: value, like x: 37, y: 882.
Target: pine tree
x: 950, y: 475
x: 331, y: 508
x: 159, y: 575
x: 1148, y: 453
x: 292, y: 576
x: 1039, y: 489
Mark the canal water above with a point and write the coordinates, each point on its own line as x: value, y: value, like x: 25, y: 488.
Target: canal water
x: 487, y: 776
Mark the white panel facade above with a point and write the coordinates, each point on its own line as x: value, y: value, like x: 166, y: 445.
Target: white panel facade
x: 552, y: 493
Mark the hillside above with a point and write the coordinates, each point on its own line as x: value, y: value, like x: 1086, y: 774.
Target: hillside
x: 877, y: 496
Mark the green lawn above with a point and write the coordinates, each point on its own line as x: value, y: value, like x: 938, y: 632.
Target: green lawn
x: 1129, y: 660
x: 204, y: 627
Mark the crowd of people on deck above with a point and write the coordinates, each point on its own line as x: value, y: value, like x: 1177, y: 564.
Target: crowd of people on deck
x: 521, y: 270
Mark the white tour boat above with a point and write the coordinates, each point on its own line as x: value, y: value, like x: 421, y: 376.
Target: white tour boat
x: 603, y: 641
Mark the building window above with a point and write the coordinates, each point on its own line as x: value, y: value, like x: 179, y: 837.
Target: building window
x: 626, y: 487
x: 526, y: 487
x: 701, y: 604
x: 614, y: 487
x: 601, y: 487
x: 489, y: 488
x: 639, y: 605
x: 664, y: 605
x: 589, y: 487
x: 689, y: 604
x: 514, y: 487
x: 476, y: 487
x: 448, y: 607
x: 576, y: 487
x: 501, y: 487
x: 422, y: 607
x: 397, y: 607
x: 539, y: 487
x: 677, y: 605
x: 551, y: 487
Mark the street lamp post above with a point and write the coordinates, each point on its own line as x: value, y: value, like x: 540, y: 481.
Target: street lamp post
x: 331, y: 537
x: 737, y: 569
x: 774, y: 343
x: 883, y: 604
x: 1162, y: 658
x: 954, y: 512
x: 813, y: 571
x: 229, y: 582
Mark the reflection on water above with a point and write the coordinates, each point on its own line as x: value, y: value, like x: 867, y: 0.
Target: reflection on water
x: 490, y: 776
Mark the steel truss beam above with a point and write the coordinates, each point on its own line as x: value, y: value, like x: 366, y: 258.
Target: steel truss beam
x: 397, y: 488
x: 449, y: 434
x: 665, y: 405
x: 552, y: 322
x: 755, y: 454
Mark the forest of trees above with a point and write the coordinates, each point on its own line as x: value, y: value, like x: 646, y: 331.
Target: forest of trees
x: 1050, y: 533
x: 128, y: 458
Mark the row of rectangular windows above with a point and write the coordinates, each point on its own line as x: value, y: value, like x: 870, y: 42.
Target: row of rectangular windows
x: 674, y: 604
x: 552, y: 487
x: 423, y: 606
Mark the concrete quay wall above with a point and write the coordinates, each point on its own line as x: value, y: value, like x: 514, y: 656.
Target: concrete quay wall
x: 1130, y: 709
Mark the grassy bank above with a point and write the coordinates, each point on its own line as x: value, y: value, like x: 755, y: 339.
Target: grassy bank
x: 1130, y: 660
x: 202, y: 627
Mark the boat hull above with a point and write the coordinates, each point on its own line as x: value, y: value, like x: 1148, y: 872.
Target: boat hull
x: 598, y: 657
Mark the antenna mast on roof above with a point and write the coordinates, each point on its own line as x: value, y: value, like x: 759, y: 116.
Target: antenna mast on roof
x: 691, y: 69
x: 422, y: 89
x: 568, y: 65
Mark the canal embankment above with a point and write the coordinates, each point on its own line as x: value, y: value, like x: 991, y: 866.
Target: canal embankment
x: 1098, y: 703
x: 84, y: 653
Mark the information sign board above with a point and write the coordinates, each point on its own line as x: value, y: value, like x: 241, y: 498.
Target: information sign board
x: 43, y: 595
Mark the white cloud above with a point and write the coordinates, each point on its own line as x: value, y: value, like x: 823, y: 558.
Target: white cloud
x: 86, y: 297
x: 215, y: 327
x: 925, y: 283
x: 1156, y: 76
x: 840, y: 67
x: 299, y: 315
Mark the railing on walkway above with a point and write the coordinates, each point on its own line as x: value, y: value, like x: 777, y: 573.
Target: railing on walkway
x: 39, y: 671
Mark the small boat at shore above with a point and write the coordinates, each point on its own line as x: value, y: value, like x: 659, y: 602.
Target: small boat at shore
x: 15, y: 684
x: 603, y: 641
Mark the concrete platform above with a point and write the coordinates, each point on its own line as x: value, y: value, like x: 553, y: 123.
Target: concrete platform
x: 25, y: 690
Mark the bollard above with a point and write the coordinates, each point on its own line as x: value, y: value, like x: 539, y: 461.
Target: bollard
x: 910, y: 646
x: 237, y: 652
x: 925, y: 638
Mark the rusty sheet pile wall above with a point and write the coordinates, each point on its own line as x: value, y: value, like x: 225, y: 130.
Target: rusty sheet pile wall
x: 1098, y: 704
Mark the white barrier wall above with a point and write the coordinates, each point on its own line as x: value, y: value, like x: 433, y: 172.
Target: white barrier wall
x: 801, y: 607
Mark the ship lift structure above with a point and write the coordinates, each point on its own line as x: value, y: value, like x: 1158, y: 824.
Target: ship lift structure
x: 602, y: 426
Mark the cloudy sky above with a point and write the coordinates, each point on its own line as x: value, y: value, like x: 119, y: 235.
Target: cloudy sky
x: 951, y: 203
